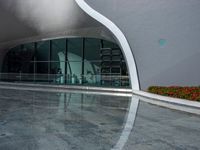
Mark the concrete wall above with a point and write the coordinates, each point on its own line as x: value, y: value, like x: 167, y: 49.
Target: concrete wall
x: 164, y: 36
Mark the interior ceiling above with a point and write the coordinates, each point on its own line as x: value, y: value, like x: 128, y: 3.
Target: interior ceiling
x: 32, y: 20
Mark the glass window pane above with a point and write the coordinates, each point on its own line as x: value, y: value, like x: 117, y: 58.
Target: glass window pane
x: 108, y: 44
x: 14, y: 66
x: 75, y: 47
x: 27, y: 72
x: 74, y: 72
x: 41, y: 72
x: 29, y: 46
x: 57, y: 75
x: 92, y: 49
x: 43, y: 50
x: 28, y: 52
x: 92, y: 74
x: 27, y: 67
x: 42, y: 68
x: 14, y: 60
x: 58, y: 50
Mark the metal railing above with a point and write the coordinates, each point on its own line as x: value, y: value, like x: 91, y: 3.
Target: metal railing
x: 105, y: 80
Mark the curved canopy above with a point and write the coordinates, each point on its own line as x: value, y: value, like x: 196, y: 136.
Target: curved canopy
x: 33, y: 20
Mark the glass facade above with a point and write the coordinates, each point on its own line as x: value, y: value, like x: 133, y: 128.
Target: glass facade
x: 68, y: 61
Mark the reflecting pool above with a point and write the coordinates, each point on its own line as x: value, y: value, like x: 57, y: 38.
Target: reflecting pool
x: 42, y: 120
x: 32, y: 120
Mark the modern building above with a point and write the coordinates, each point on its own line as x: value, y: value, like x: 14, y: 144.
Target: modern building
x: 73, y: 74
x: 100, y: 43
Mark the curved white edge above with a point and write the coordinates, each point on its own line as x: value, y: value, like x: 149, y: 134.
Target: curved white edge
x: 128, y: 127
x: 122, y: 41
x: 51, y: 36
x: 169, y: 102
x: 63, y: 88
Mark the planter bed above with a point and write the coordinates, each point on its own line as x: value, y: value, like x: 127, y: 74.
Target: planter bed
x: 189, y: 93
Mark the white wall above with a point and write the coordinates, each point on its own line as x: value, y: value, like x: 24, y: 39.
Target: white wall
x: 164, y: 36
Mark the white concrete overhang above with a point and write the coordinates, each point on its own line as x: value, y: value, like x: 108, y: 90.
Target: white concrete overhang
x: 34, y: 20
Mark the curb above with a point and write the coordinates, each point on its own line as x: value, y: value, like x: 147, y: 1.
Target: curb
x: 66, y: 88
x: 169, y: 102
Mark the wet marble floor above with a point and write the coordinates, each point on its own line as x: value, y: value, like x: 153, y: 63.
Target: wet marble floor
x: 32, y: 120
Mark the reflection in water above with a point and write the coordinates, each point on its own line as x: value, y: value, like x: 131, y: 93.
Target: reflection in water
x: 129, y: 124
x: 45, y: 120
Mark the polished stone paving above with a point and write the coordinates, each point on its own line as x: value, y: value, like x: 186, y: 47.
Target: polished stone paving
x: 32, y: 120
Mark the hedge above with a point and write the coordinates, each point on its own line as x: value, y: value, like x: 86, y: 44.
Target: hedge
x: 190, y: 93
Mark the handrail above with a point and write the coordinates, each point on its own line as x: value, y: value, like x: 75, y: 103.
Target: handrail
x: 115, y: 80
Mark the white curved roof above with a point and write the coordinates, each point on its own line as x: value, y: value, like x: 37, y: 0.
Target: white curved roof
x: 32, y: 20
